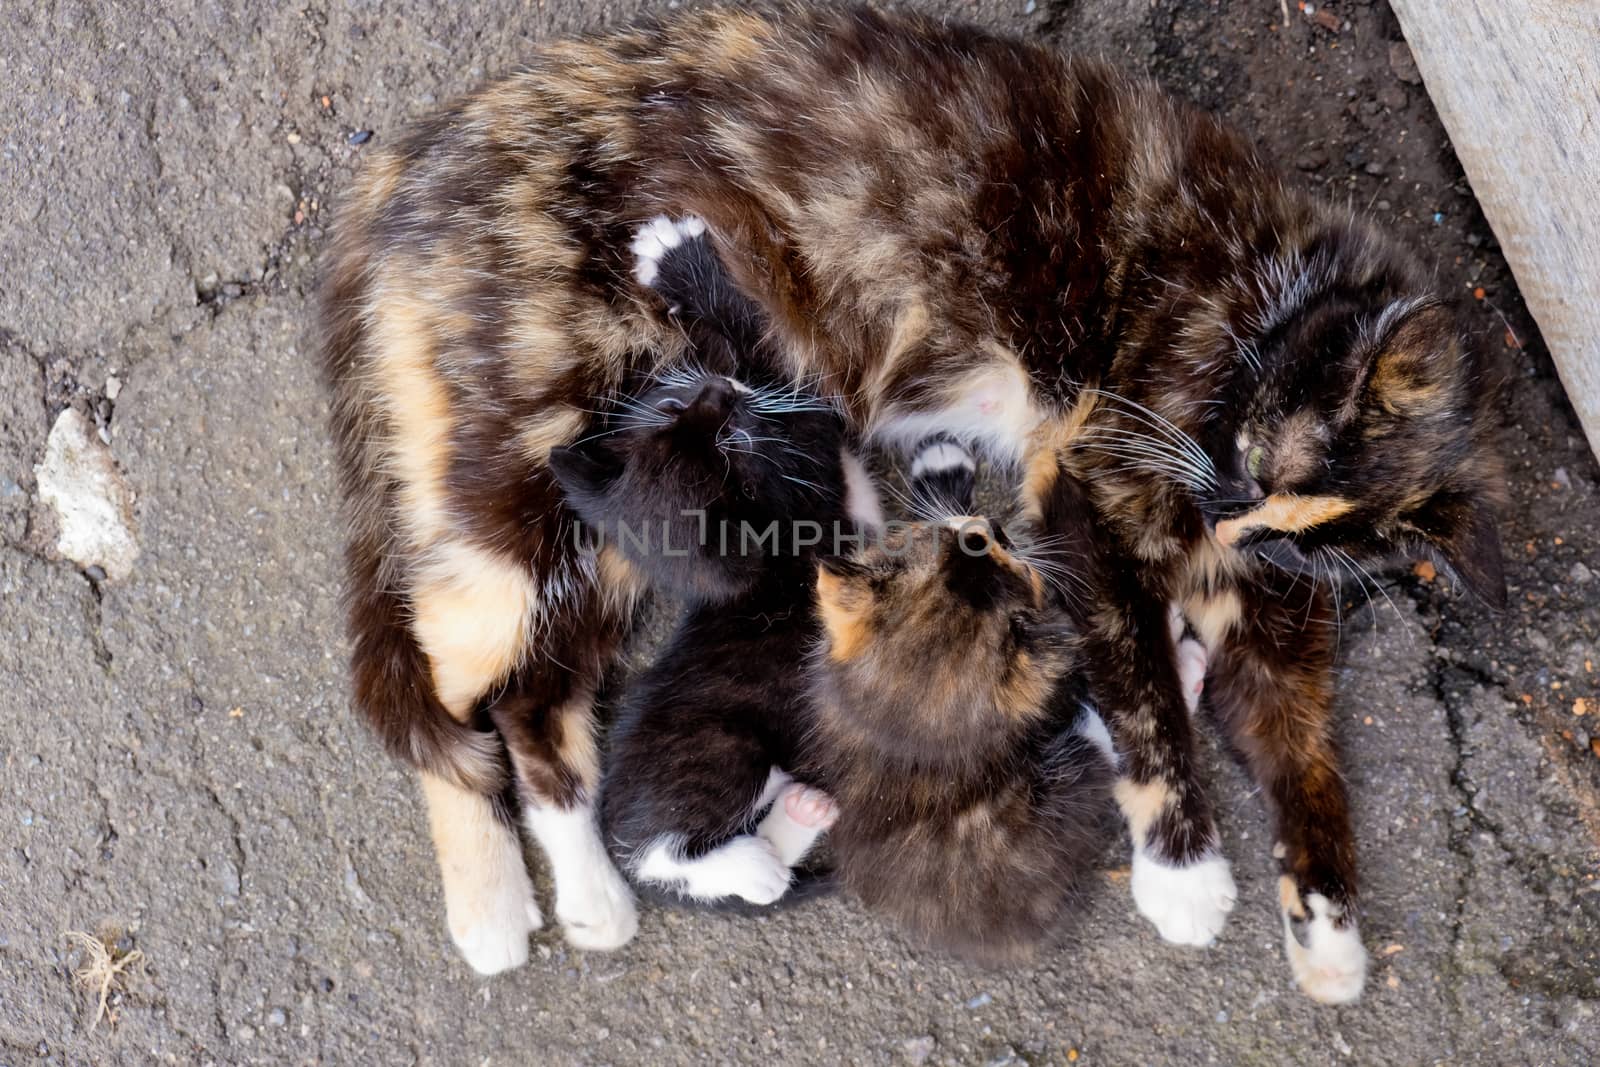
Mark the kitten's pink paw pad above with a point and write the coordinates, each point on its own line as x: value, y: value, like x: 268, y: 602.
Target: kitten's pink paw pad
x: 810, y: 807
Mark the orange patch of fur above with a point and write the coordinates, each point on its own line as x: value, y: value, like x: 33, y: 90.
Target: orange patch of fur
x: 1288, y: 512
x: 1142, y: 803
x: 843, y: 617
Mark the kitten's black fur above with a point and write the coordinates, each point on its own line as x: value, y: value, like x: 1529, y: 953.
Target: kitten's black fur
x: 700, y: 731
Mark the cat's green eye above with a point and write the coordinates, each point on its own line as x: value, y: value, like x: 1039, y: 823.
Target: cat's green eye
x: 1252, y: 461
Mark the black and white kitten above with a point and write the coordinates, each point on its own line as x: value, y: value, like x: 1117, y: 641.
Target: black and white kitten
x: 724, y: 488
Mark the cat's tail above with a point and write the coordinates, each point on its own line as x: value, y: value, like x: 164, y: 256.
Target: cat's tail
x: 392, y: 677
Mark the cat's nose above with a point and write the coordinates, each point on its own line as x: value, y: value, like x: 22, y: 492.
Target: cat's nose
x: 715, y: 399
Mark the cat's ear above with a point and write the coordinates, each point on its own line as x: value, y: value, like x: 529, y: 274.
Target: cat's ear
x: 1457, y: 530
x: 584, y: 470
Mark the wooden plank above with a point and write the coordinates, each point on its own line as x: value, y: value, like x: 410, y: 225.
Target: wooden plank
x: 1517, y: 85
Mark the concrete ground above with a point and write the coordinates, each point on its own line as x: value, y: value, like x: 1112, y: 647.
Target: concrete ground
x: 181, y: 775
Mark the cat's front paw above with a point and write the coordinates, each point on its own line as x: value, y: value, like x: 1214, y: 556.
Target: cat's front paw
x: 653, y: 240
x: 1189, y: 904
x: 1328, y: 960
x: 596, y: 909
x: 490, y: 922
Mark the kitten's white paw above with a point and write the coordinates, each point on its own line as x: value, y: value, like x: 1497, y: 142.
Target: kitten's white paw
x: 653, y: 240
x: 597, y: 913
x: 1331, y: 966
x: 1188, y: 905
x: 799, y: 815
x: 491, y: 930
x: 748, y: 867
x: 1192, y: 663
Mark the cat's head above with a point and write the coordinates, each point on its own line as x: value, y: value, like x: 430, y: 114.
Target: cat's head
x: 1329, y: 425
x: 1365, y: 437
x: 699, y: 479
x: 937, y: 639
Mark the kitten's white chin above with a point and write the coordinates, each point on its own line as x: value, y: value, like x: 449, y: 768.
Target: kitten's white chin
x: 1189, y: 905
x: 1331, y: 967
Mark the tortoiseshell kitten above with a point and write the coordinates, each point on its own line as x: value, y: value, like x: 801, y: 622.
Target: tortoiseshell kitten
x: 954, y: 732
x: 738, y: 491
x: 955, y: 232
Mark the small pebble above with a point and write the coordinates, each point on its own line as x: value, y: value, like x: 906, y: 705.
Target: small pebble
x: 918, y: 1049
x: 1581, y: 574
x: 979, y: 1001
x: 95, y: 573
x: 277, y: 1017
x: 360, y: 137
x: 293, y: 138
x: 1561, y: 479
x: 1030, y: 7
x: 1374, y: 169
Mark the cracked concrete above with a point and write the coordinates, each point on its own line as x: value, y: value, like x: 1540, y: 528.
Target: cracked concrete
x: 180, y: 769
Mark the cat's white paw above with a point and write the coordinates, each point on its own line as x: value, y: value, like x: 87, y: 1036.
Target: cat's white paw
x: 653, y: 240
x: 597, y: 913
x: 1192, y: 663
x: 491, y: 928
x: 593, y: 903
x: 1188, y: 905
x: 1176, y: 623
x: 1331, y: 966
x: 748, y: 867
x: 800, y: 814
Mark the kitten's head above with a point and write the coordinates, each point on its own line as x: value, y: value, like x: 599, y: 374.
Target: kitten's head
x: 1362, y: 433
x: 937, y: 641
x: 700, y: 479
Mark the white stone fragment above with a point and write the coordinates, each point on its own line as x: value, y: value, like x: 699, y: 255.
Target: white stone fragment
x: 80, y: 482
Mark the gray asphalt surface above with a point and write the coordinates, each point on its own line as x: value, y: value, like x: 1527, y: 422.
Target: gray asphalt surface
x: 179, y: 770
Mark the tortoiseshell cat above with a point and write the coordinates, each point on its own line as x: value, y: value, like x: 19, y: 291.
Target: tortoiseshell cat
x: 956, y: 233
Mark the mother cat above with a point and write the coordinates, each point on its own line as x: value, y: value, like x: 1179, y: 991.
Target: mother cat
x: 953, y: 233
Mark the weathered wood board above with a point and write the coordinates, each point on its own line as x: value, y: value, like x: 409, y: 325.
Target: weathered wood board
x: 1517, y: 84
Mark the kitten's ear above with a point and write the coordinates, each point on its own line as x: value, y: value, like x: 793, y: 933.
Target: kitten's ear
x: 1458, y: 530
x: 584, y: 470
